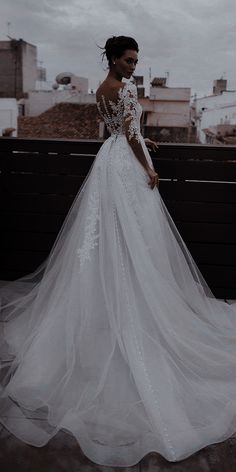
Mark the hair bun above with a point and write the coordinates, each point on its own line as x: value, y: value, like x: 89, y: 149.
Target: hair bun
x: 116, y: 45
x: 110, y: 42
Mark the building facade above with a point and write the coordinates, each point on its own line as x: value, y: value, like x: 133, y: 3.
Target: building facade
x: 8, y: 115
x: 18, y: 68
x: 39, y: 101
x: 166, y: 112
x: 215, y: 115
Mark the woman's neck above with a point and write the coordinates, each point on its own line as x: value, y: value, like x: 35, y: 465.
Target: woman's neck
x: 112, y: 75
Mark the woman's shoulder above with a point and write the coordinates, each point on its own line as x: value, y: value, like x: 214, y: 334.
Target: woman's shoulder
x: 107, y: 88
x: 131, y: 87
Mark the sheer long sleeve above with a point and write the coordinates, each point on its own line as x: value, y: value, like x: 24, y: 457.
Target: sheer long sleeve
x: 131, y: 124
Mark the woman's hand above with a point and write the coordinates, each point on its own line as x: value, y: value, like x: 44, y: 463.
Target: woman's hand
x: 154, y: 178
x: 151, y: 144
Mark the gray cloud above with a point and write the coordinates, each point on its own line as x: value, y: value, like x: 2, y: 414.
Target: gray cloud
x: 192, y: 39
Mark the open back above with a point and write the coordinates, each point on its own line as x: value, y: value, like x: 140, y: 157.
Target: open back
x: 120, y: 110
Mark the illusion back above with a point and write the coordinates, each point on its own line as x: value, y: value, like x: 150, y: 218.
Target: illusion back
x: 121, y: 110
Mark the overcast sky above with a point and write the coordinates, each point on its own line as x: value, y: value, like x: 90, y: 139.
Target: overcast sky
x: 194, y: 40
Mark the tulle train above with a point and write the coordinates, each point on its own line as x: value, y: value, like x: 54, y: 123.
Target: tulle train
x: 116, y: 337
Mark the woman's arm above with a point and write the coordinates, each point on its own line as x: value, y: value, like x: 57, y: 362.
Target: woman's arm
x: 133, y: 134
x: 152, y: 144
x: 135, y: 142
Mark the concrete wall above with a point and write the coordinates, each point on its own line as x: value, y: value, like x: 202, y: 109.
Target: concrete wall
x: 214, y: 110
x: 18, y: 68
x: 8, y: 114
x: 172, y: 93
x: 81, y: 83
x: 212, y: 101
x: 172, y: 134
x: 218, y: 116
x: 41, y: 100
x: 10, y: 69
x: 166, y: 113
x: 29, y: 66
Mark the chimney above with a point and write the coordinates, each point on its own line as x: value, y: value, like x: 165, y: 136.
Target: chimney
x: 219, y: 86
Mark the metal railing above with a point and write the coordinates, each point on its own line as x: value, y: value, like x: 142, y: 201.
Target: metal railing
x: 40, y: 179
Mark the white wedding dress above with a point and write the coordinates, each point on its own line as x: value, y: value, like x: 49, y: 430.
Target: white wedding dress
x: 116, y: 337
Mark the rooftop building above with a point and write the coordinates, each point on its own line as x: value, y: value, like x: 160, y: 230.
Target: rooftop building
x: 215, y: 114
x: 166, y: 112
x: 18, y: 68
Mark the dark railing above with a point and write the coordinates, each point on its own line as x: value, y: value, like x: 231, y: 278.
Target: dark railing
x: 40, y: 178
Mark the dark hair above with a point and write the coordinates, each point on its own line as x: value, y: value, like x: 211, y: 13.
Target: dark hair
x: 117, y: 45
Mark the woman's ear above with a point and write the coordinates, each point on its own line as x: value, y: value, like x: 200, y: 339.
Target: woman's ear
x: 113, y: 59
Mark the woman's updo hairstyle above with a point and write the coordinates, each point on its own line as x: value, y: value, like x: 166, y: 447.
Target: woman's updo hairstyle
x: 117, y: 45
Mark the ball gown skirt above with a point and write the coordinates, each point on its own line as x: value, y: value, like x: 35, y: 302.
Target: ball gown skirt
x: 116, y: 337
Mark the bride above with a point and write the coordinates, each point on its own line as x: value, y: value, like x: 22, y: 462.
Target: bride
x: 116, y: 337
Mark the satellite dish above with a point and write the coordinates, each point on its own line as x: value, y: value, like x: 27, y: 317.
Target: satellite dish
x: 64, y: 78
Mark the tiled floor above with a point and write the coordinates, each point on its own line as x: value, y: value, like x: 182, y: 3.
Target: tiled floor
x: 63, y: 454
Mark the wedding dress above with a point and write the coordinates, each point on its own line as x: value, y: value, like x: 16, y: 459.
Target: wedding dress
x: 116, y: 337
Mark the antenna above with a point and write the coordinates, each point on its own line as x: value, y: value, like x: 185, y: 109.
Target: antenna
x: 167, y: 77
x: 8, y: 30
x: 150, y: 76
x: 150, y: 73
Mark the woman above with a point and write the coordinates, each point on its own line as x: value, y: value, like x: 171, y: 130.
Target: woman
x: 123, y: 65
x: 117, y: 337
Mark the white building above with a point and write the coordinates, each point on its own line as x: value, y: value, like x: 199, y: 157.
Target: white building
x: 39, y: 101
x: 8, y: 114
x: 167, y: 110
x: 69, y: 88
x: 213, y: 111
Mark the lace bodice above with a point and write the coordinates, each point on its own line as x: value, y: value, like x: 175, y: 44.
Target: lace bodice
x: 124, y: 108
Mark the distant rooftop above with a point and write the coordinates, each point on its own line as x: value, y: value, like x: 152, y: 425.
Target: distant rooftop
x: 159, y: 82
x: 64, y: 120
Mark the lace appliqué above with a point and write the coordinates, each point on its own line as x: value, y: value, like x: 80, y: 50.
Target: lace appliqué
x: 130, y: 113
x: 115, y: 114
x: 114, y: 117
x: 91, y: 234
